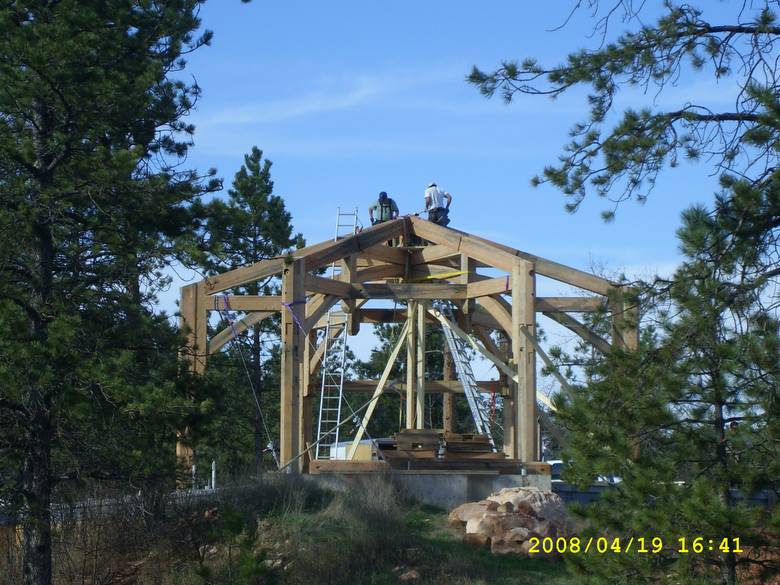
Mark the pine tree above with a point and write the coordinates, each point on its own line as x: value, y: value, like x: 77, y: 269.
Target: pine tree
x: 699, y: 401
x: 689, y: 422
x: 252, y: 225
x: 92, y: 204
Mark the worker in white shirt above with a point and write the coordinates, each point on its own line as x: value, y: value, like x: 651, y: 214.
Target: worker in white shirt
x: 438, y: 212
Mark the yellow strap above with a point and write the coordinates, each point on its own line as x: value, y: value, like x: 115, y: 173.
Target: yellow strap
x: 443, y: 275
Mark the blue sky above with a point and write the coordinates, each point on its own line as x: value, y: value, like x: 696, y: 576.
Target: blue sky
x: 351, y: 98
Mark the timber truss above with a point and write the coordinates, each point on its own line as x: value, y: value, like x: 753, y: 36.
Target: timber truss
x: 445, y: 269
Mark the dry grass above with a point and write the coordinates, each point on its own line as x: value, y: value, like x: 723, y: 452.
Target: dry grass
x: 282, y: 530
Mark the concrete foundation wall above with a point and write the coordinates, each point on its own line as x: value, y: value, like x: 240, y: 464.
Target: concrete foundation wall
x: 443, y: 490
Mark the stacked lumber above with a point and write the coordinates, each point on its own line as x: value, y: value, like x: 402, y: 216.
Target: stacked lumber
x: 468, y: 446
x: 417, y: 443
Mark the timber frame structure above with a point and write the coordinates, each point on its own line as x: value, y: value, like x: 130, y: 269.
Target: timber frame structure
x: 445, y: 269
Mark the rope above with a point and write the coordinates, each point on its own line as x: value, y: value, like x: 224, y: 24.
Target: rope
x: 234, y: 337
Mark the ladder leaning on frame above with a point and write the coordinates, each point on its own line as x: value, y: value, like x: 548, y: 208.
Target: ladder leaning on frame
x: 334, y: 356
x: 462, y: 362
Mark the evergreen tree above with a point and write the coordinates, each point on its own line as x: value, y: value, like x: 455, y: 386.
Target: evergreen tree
x: 92, y: 203
x: 252, y: 225
x: 700, y: 401
x: 689, y: 422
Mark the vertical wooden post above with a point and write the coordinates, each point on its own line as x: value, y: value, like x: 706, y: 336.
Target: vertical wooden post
x: 625, y: 321
x: 420, y: 373
x: 509, y: 391
x: 468, y: 266
x: 307, y: 414
x: 193, y: 311
x: 448, y: 400
x: 411, y: 361
x: 524, y: 315
x: 193, y: 318
x: 625, y: 334
x: 292, y: 352
x: 348, y: 270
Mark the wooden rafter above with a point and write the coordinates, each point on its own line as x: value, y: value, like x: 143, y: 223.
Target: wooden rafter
x: 580, y: 329
x: 467, y: 243
x: 250, y: 320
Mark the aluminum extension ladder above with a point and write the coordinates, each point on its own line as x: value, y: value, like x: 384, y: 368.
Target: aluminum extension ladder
x: 334, y: 356
x: 460, y: 357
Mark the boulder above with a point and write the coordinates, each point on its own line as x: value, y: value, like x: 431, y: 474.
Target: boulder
x: 533, y: 502
x: 461, y: 515
x: 508, y: 519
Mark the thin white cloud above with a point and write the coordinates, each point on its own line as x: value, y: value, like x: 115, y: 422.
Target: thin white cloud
x: 441, y: 90
x: 334, y: 94
x: 282, y: 110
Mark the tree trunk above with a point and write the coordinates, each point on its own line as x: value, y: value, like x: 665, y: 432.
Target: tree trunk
x: 258, y: 380
x: 36, y: 487
x: 728, y: 561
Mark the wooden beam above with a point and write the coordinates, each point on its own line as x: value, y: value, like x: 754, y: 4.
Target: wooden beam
x: 403, y: 292
x: 379, y: 272
x: 306, y: 425
x: 625, y: 321
x: 434, y: 254
x: 432, y: 272
x: 380, y: 387
x: 400, y: 292
x: 420, y: 366
x: 468, y: 267
x: 546, y: 359
x: 498, y: 310
x: 580, y: 329
x: 348, y: 275
x: 319, y: 311
x: 399, y: 316
x: 431, y: 386
x: 328, y: 286
x: 460, y: 242
x: 411, y: 358
x: 292, y: 353
x: 250, y: 320
x: 361, y: 242
x: 448, y: 400
x: 193, y: 320
x: 245, y: 303
x: 491, y: 286
x: 386, y: 254
x: 252, y: 273
x: 543, y: 266
x: 315, y: 256
x: 524, y: 316
x: 569, y: 304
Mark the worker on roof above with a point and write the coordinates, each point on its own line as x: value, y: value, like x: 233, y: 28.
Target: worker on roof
x: 385, y: 209
x: 438, y: 212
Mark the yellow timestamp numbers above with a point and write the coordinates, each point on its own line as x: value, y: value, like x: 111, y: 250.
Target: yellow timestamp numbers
x: 641, y: 545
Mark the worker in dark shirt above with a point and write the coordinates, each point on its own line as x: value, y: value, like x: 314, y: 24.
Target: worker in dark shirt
x: 384, y: 209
